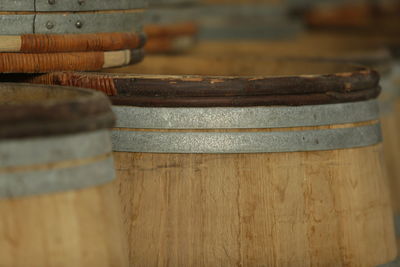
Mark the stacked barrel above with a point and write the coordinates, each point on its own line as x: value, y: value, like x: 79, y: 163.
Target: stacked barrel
x: 171, y: 26
x: 262, y: 145
x: 51, y: 35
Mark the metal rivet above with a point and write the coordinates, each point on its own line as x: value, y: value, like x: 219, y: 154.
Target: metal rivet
x: 81, y: 2
x: 79, y: 24
x: 49, y: 25
x: 52, y: 2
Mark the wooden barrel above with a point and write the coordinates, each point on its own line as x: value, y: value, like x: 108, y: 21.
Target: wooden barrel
x: 58, y: 203
x: 268, y: 162
x: 225, y: 181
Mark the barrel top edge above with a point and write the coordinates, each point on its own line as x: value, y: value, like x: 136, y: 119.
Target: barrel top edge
x: 29, y: 110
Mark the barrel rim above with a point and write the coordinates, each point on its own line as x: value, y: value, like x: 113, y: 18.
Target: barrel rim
x: 357, y: 84
x: 85, y: 110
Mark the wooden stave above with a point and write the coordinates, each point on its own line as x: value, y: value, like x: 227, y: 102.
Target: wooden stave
x: 143, y: 167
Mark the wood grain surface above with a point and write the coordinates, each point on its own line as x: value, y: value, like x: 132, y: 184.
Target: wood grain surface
x: 78, y: 228
x: 35, y: 43
x: 272, y: 209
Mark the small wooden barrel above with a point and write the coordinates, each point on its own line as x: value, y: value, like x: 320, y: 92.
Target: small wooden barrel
x: 58, y: 203
x: 209, y: 177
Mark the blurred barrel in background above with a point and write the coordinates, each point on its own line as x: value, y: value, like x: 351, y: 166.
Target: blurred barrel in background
x: 41, y: 36
x: 227, y: 20
x: 171, y: 26
x: 58, y: 203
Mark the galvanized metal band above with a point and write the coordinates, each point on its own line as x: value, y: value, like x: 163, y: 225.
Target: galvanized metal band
x: 248, y: 117
x: 245, y: 142
x: 71, y: 23
x: 45, y: 165
x: 68, y: 5
x: 171, y: 15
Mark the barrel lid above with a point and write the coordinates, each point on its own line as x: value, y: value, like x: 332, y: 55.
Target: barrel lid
x: 28, y: 110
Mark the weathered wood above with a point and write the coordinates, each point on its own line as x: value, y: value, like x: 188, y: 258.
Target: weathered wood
x: 38, y: 110
x: 83, y: 61
x: 34, y: 43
